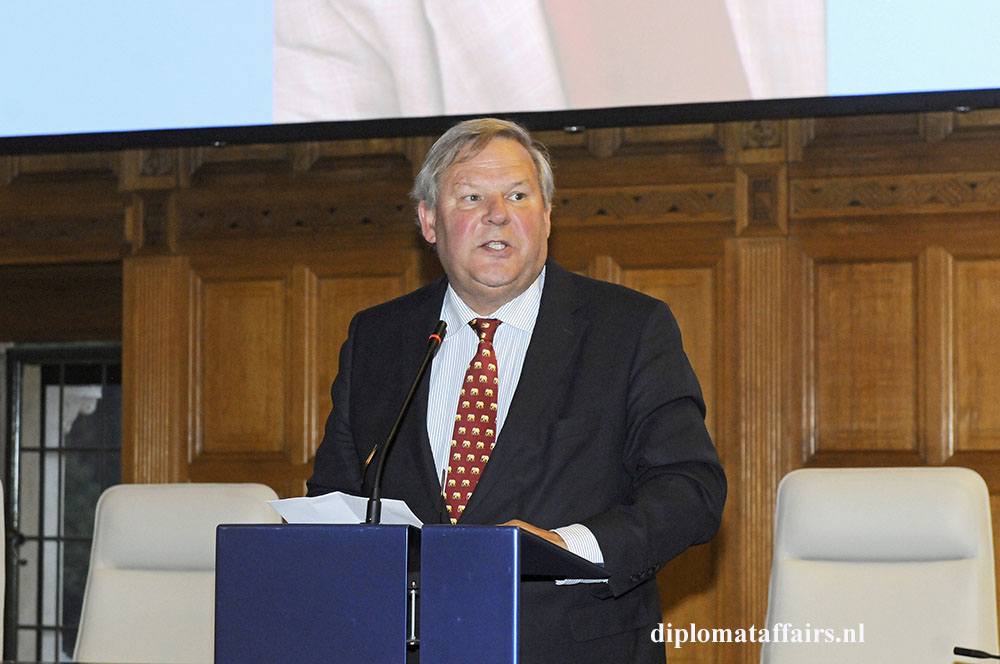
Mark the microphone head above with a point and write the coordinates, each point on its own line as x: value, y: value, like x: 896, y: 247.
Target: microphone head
x: 438, y: 334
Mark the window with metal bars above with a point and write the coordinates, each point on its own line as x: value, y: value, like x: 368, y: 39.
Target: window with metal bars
x: 64, y: 449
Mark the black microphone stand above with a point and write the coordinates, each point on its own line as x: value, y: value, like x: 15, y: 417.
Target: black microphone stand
x: 374, y: 515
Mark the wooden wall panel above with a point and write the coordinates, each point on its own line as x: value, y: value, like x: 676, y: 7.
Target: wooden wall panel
x: 977, y: 355
x: 866, y: 373
x: 337, y: 302
x: 241, y: 372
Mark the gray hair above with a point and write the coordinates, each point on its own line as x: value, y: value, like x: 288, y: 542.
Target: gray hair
x: 467, y: 139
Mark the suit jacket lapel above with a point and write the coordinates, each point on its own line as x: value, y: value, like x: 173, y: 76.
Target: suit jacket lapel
x: 554, y: 342
x: 413, y: 432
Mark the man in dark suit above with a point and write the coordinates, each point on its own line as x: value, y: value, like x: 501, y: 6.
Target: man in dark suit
x: 600, y: 441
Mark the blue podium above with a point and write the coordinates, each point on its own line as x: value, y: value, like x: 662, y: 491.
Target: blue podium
x: 360, y: 594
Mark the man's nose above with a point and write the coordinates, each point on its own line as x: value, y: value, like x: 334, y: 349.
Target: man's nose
x: 497, y: 212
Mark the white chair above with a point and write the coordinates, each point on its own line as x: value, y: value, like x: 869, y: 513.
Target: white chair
x: 150, y: 595
x: 907, y: 553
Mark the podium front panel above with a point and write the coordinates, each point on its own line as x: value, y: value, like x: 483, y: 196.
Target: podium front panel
x: 469, y: 594
x: 304, y: 593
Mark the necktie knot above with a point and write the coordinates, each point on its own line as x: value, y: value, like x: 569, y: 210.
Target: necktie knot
x: 485, y: 328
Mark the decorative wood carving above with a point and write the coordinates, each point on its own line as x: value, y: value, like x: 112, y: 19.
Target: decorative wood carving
x: 149, y: 169
x: 239, y: 220
x: 910, y: 194
x: 761, y: 134
x: 149, y: 222
x: 762, y: 200
x: 680, y: 203
x: 766, y: 141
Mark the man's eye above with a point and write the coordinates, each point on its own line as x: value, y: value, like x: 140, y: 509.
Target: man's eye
x: 473, y: 198
x: 518, y: 196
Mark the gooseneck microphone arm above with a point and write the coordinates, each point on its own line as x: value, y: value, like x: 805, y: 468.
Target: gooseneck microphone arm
x: 969, y: 652
x: 375, y: 501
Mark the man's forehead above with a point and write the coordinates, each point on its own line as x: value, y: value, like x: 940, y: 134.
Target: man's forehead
x: 514, y: 161
x: 464, y: 182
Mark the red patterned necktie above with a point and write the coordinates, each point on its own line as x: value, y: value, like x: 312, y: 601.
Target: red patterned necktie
x: 474, y: 434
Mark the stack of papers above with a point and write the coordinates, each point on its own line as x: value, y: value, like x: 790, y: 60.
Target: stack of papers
x: 342, y: 508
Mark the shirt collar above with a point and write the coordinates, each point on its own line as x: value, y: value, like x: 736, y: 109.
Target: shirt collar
x: 521, y: 312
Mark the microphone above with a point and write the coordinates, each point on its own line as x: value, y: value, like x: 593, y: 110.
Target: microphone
x: 969, y: 652
x: 375, y: 501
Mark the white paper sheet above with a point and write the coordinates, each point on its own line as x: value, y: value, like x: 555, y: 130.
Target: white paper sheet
x: 342, y: 508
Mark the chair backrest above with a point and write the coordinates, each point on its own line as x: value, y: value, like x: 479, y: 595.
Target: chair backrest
x: 906, y: 554
x: 150, y: 593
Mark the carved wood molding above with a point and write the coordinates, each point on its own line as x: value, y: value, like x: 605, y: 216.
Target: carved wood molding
x: 898, y: 194
x: 757, y: 268
x: 155, y: 369
x: 711, y: 202
x: 762, y: 199
x: 766, y: 141
x: 149, y: 169
x: 148, y: 222
x: 243, y: 220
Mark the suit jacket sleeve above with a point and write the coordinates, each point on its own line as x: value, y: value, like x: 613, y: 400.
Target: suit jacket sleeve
x: 677, y: 485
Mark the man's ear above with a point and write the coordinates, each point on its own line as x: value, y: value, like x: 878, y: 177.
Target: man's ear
x: 427, y: 222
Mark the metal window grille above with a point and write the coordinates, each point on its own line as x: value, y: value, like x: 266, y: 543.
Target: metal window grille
x: 64, y: 449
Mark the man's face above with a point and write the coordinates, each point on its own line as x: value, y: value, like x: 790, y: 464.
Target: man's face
x: 491, y: 225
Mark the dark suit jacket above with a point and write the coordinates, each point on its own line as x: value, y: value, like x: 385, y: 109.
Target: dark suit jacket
x: 606, y: 429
